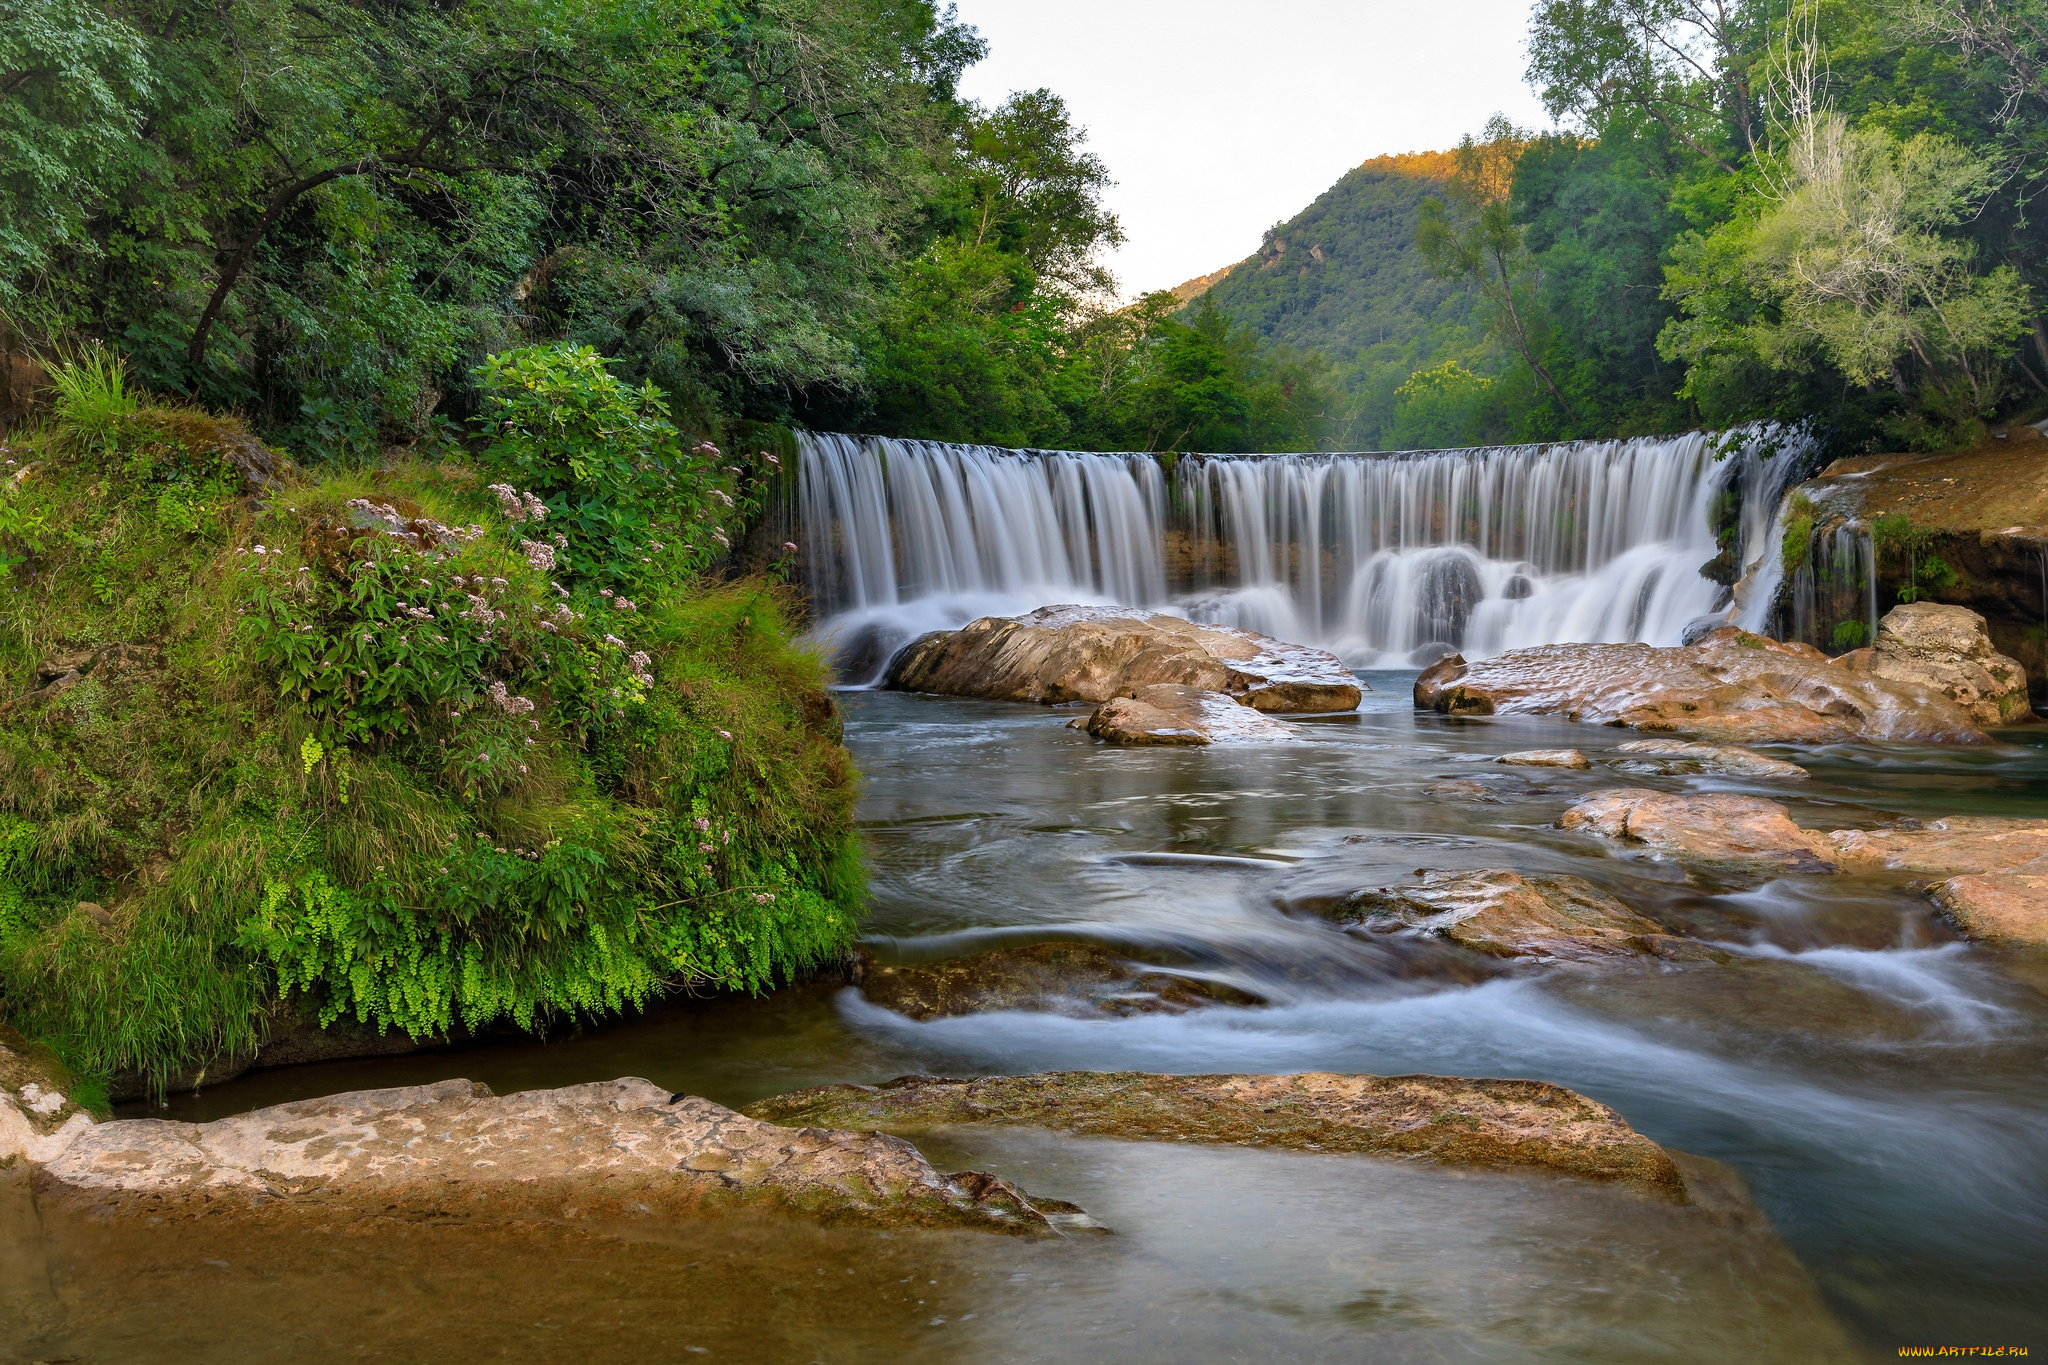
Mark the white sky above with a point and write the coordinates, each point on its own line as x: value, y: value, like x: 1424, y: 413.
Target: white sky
x: 1220, y: 119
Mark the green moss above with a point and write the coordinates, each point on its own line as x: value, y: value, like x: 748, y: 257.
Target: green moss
x: 1792, y: 550
x: 291, y: 789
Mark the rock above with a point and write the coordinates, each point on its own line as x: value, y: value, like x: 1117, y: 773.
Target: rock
x: 1547, y: 758
x: 1071, y: 653
x: 1469, y: 1122
x: 1167, y: 713
x: 1942, y: 848
x: 1504, y: 914
x: 1949, y: 648
x: 454, y: 1150
x: 1681, y: 756
x: 37, y: 1119
x: 64, y: 671
x: 1715, y: 829
x: 2009, y: 907
x: 1077, y: 979
x: 1731, y: 687
x: 1464, y: 789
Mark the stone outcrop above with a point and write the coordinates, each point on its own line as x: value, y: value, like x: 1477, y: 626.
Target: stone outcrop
x: 1073, y: 654
x: 37, y: 1119
x: 1504, y: 914
x: 1676, y: 756
x: 1949, y: 648
x: 1955, y: 844
x: 1082, y: 980
x: 1731, y: 687
x: 453, y: 1149
x: 1469, y: 1122
x: 2009, y: 907
x: 1546, y: 758
x: 1714, y: 829
x: 1167, y: 713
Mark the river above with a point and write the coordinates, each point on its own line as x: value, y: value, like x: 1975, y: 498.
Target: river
x: 1875, y: 1083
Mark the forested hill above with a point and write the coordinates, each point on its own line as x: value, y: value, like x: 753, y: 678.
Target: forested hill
x: 1343, y: 275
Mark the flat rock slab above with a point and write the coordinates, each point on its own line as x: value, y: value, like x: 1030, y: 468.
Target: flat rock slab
x: 1071, y: 653
x: 1714, y: 829
x: 453, y: 1149
x: 1731, y: 687
x: 1682, y: 756
x: 1167, y: 713
x: 1546, y: 758
x: 1949, y: 648
x: 1955, y: 844
x: 1504, y: 914
x: 1468, y: 1122
x: 2008, y: 907
x: 1082, y: 980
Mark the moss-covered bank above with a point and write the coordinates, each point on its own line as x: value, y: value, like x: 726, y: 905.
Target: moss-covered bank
x: 392, y: 744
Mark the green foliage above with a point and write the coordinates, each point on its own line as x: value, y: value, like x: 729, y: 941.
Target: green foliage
x: 499, y: 800
x: 1798, y: 537
x: 1850, y: 635
x: 1895, y: 539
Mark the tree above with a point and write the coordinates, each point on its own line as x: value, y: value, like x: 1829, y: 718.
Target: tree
x: 1684, y: 63
x: 1471, y: 235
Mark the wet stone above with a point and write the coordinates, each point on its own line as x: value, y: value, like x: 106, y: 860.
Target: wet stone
x: 1677, y: 756
x: 1167, y: 713
x: 1546, y: 758
x: 1082, y: 980
x: 1501, y: 1123
x: 1714, y: 829
x: 1073, y: 653
x: 1504, y: 914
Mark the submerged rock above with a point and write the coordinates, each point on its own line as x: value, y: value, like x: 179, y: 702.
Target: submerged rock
x: 1504, y: 914
x: 1949, y: 649
x: 1469, y: 1122
x: 1999, y: 907
x: 1682, y: 756
x: 453, y: 1149
x: 1547, y: 758
x: 1081, y: 979
x: 1715, y: 829
x: 1167, y: 713
x: 1073, y: 653
x: 1730, y: 687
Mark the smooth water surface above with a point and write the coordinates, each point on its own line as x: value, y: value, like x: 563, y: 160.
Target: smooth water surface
x: 1877, y: 1083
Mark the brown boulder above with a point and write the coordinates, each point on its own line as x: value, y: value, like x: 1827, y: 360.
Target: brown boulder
x: 1942, y: 848
x: 1079, y: 979
x: 452, y: 1149
x: 1070, y: 653
x: 1682, y: 756
x: 1504, y: 914
x: 1470, y: 1122
x: 1714, y: 829
x: 1730, y: 687
x: 1949, y: 649
x: 1166, y: 713
x: 1999, y: 907
x: 1546, y: 758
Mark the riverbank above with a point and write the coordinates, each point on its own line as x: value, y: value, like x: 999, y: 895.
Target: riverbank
x: 471, y: 738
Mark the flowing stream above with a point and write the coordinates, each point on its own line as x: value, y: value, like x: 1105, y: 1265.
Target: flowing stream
x: 1875, y: 1082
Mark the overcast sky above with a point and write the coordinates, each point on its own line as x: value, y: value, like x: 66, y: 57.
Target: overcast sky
x: 1219, y: 118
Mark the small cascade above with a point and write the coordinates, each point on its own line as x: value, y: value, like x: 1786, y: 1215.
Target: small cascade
x: 1388, y: 560
x: 1834, y: 590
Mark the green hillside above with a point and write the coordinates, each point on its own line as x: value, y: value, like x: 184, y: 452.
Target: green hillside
x: 1343, y: 278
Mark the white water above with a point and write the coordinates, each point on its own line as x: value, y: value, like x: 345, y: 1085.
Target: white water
x: 1384, y: 559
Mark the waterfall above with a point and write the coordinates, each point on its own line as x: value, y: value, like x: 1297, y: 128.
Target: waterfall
x: 1388, y: 560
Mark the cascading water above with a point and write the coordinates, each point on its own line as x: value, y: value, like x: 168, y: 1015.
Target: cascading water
x: 1384, y: 559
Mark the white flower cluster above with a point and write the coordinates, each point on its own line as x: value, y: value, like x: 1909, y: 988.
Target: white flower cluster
x: 640, y: 659
x: 518, y: 506
x: 539, y: 554
x: 510, y: 705
x: 415, y: 532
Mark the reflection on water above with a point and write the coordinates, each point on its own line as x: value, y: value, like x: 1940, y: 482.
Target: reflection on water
x: 1877, y: 1083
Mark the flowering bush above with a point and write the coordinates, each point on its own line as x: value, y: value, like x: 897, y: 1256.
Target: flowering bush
x: 630, y: 499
